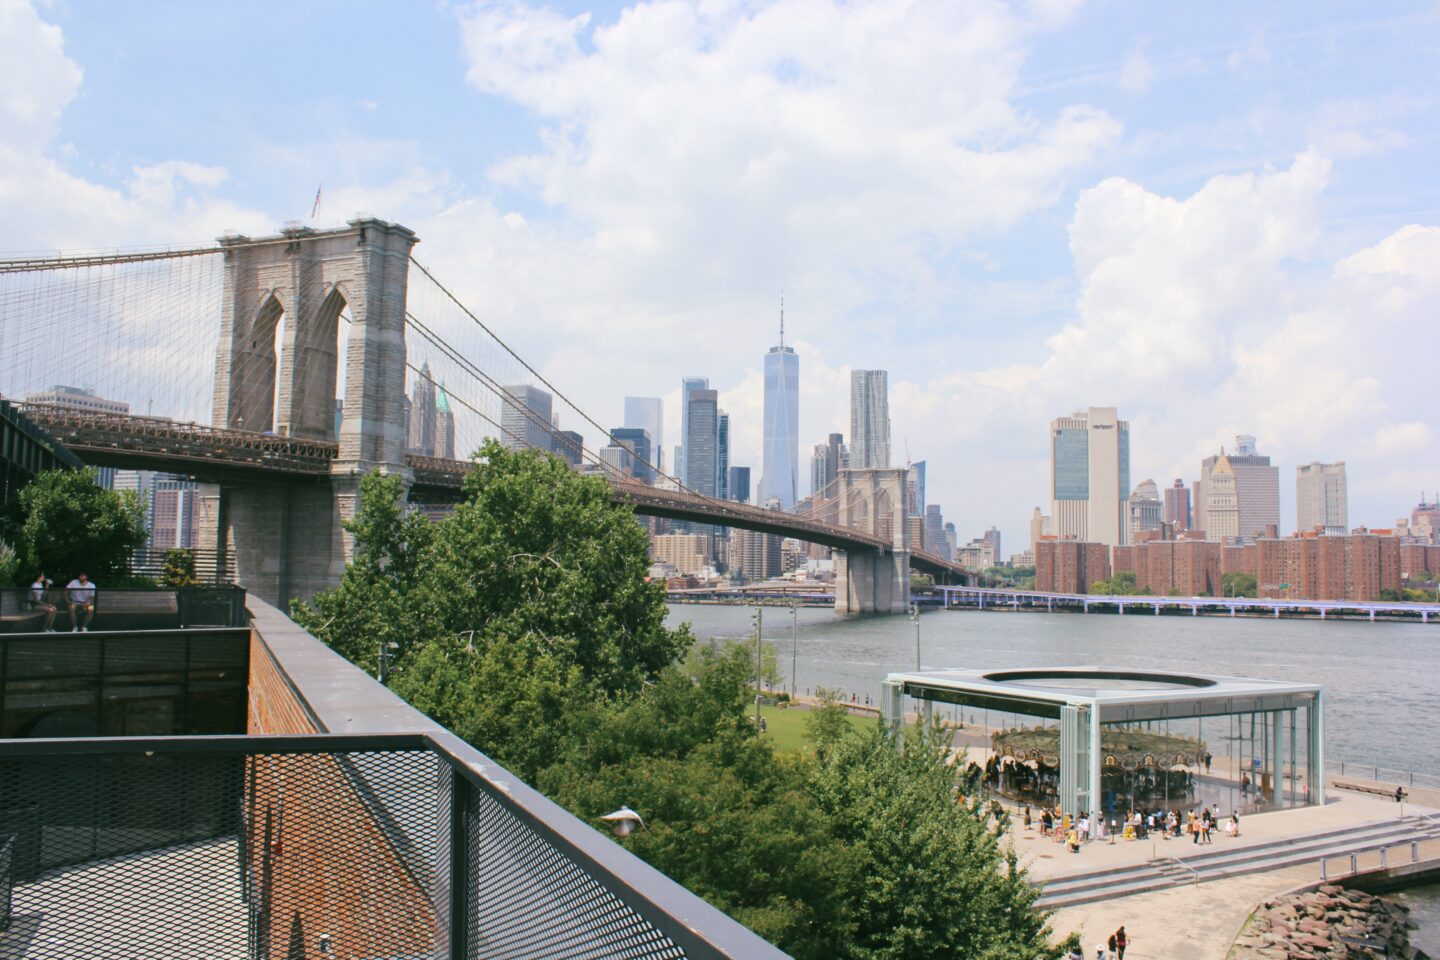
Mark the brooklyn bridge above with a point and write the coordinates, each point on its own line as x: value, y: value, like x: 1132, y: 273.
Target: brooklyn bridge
x: 274, y: 370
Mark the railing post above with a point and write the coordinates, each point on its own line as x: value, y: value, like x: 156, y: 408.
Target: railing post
x: 1384, y: 858
x: 1322, y: 869
x: 460, y: 893
x: 1354, y: 868
x: 1414, y: 851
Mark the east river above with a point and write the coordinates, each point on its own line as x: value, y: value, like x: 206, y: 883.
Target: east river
x: 1381, y: 680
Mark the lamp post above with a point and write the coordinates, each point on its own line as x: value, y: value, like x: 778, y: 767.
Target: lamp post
x: 382, y: 671
x: 759, y: 625
x: 915, y: 615
x: 794, y: 645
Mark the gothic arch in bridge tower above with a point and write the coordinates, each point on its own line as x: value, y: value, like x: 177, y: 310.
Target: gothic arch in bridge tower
x: 288, y: 541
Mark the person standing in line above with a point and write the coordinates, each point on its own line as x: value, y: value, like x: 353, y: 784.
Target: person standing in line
x: 1111, y: 944
x: 1121, y: 942
x: 81, y: 594
x: 39, y: 601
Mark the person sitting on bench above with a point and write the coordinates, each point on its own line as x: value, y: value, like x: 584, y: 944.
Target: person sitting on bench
x: 38, y: 600
x: 81, y: 594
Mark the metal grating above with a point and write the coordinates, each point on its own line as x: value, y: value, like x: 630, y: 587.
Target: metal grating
x: 531, y: 901
x: 296, y: 847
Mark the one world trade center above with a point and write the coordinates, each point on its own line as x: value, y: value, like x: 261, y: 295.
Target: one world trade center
x: 782, y: 424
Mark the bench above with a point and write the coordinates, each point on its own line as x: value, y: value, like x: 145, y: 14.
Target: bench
x: 1365, y: 788
x: 15, y: 613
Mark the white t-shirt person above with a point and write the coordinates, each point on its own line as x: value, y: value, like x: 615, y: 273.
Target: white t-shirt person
x: 81, y: 590
x: 81, y: 594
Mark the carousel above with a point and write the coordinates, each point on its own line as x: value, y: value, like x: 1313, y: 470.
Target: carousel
x: 1140, y: 768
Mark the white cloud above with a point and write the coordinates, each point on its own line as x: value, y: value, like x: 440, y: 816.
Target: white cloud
x: 1199, y: 318
x: 1136, y: 73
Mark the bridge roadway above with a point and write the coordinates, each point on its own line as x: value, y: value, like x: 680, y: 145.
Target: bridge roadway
x: 218, y: 455
x: 984, y: 597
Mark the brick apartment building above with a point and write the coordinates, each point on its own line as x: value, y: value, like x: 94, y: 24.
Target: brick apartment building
x: 1417, y: 558
x: 1354, y: 567
x: 1358, y: 566
x: 1070, y: 566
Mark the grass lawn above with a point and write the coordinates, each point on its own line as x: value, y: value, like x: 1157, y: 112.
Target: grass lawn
x: 786, y: 728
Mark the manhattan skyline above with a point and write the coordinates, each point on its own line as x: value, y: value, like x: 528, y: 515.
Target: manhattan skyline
x: 1051, y: 239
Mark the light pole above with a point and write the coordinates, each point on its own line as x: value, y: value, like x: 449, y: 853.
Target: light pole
x: 387, y: 649
x: 794, y: 644
x: 759, y: 625
x: 915, y: 615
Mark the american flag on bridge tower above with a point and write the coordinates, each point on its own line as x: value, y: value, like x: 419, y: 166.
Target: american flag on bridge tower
x: 315, y: 210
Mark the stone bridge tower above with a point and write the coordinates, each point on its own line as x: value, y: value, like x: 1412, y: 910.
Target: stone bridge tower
x: 317, y: 290
x: 873, y: 500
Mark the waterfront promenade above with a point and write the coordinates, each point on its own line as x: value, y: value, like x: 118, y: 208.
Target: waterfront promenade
x: 1199, y: 921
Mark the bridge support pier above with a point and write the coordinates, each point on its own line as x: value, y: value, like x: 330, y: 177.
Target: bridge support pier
x: 872, y: 583
x: 286, y: 540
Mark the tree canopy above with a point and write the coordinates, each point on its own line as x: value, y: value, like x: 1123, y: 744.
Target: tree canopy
x: 525, y: 624
x: 69, y: 525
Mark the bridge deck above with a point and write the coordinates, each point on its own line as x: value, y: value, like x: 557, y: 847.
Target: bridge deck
x: 217, y: 454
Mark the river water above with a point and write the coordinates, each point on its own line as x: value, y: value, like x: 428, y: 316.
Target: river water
x: 1381, y: 680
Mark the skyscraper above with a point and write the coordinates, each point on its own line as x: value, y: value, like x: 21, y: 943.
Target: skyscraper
x: 916, y: 482
x: 568, y: 446
x: 935, y: 531
x: 1222, y: 502
x: 1321, y: 498
x: 687, y: 384
x: 722, y: 456
x: 826, y: 462
x: 738, y: 484
x: 648, y: 414
x: 1145, y: 509
x: 869, y: 419
x: 1177, y: 505
x: 1089, y: 476
x: 779, y: 466
x: 421, y: 429
x: 77, y: 398
x: 702, y: 441
x: 635, y: 440
x: 1257, y: 489
x: 525, y: 418
x: 444, y: 426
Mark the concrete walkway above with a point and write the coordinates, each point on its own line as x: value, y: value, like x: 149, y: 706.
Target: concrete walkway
x: 1200, y: 921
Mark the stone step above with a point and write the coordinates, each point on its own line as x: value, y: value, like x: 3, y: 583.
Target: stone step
x: 1214, y: 865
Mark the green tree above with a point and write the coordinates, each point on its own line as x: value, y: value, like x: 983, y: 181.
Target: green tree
x: 380, y: 599
x: 177, y: 568
x: 936, y: 882
x: 725, y: 816
x: 826, y: 725
x: 69, y: 525
x: 10, y: 573
x: 1236, y: 584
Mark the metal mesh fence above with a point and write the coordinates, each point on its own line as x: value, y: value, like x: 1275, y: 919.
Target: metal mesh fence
x: 280, y: 849
x: 531, y: 901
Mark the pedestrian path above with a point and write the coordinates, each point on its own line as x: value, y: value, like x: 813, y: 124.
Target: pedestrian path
x: 1192, y: 864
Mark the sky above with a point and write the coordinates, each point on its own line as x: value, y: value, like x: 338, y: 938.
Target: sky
x: 1219, y: 218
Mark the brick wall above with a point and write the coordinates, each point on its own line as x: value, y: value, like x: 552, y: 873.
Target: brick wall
x: 320, y: 862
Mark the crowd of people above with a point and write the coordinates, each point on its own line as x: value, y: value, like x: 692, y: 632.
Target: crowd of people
x: 1077, y: 830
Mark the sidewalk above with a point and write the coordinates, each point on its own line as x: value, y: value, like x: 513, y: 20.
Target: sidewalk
x: 1200, y: 921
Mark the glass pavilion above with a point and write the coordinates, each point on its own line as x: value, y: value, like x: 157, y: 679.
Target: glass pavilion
x: 1121, y: 740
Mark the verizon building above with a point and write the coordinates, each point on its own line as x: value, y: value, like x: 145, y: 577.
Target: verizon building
x: 1090, y: 476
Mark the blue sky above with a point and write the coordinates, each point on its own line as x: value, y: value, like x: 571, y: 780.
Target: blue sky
x: 1219, y: 217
